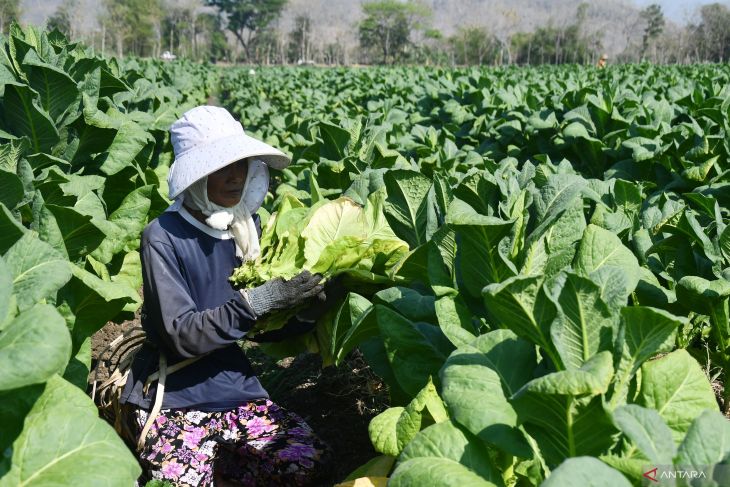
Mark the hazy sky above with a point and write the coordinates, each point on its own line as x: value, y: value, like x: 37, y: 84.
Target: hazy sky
x: 680, y: 11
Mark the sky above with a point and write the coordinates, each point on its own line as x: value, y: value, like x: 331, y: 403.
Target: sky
x: 678, y: 11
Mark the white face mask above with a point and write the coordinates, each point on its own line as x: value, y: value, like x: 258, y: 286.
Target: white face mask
x: 236, y: 219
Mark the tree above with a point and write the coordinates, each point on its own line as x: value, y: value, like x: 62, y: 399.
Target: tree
x: 474, y: 45
x: 66, y: 18
x: 711, y: 38
x: 134, y: 25
x: 246, y: 19
x: 388, y: 25
x: 300, y: 39
x: 9, y: 11
x: 654, y: 18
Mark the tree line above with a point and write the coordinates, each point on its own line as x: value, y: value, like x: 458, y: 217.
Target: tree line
x: 388, y: 32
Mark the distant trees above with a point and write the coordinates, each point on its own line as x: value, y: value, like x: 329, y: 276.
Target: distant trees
x: 388, y: 25
x: 9, y: 11
x: 710, y: 39
x: 654, y: 19
x: 248, y: 19
x: 389, y: 31
x: 474, y: 45
x: 557, y: 45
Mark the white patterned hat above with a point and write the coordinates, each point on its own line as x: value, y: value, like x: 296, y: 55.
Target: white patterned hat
x: 207, y: 138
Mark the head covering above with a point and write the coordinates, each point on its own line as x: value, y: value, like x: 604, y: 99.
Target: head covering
x: 206, y: 139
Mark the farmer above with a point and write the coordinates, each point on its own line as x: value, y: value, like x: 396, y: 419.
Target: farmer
x: 201, y: 413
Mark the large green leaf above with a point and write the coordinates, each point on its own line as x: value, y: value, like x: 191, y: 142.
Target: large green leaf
x: 478, y: 237
x: 585, y: 472
x: 448, y: 441
x: 27, y: 117
x: 645, y: 332
x: 585, y: 325
x: 10, y: 229
x: 64, y: 442
x: 129, y: 140
x: 678, y: 389
x: 413, y: 357
x: 80, y: 235
x: 57, y: 90
x: 436, y: 471
x: 90, y: 302
x: 707, y: 442
x: 602, y: 257
x: 564, y: 412
x: 6, y: 291
x: 455, y: 320
x: 38, y: 270
x: 125, y: 224
x: 477, y: 381
x: 648, y: 431
x: 522, y: 305
x: 11, y: 189
x: 395, y: 427
x: 410, y: 206
x: 33, y: 347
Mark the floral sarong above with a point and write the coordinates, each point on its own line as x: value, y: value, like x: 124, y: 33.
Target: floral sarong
x: 257, y: 444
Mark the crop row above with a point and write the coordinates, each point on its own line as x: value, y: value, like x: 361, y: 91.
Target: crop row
x: 564, y: 302
x: 84, y: 153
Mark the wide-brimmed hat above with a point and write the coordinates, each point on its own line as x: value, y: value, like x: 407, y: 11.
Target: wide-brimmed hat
x: 208, y: 138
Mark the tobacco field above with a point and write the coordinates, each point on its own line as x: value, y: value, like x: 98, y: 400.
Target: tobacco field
x: 537, y: 260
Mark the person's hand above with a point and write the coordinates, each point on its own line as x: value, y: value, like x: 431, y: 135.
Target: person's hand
x: 331, y: 295
x: 278, y: 294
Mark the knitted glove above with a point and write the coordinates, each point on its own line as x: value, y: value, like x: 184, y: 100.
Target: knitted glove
x: 278, y: 294
x: 332, y: 293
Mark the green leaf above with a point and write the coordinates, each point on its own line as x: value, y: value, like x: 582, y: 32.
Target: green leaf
x: 129, y: 140
x: 408, y: 302
x: 678, y: 389
x: 6, y: 291
x: 454, y: 319
x: 521, y: 304
x: 93, y: 302
x: 648, y: 431
x: 725, y: 243
x: 563, y: 411
x: 585, y: 472
x: 80, y: 235
x: 11, y: 229
x: 392, y: 429
x: 410, y: 207
x: 603, y: 258
x: 38, y: 270
x: 379, y: 466
x: 585, y: 324
x: 477, y: 381
x: 33, y: 347
x: 413, y: 357
x: 646, y: 332
x: 707, y: 441
x: 57, y: 90
x: 11, y: 189
x: 64, y: 441
x: 448, y: 441
x: 436, y: 471
x: 479, y: 236
x: 125, y: 225
x: 26, y: 117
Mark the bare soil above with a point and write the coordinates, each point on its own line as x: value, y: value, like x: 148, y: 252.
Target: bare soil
x: 337, y: 402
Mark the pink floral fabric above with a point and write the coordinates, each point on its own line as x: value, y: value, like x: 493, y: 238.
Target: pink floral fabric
x: 257, y: 444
